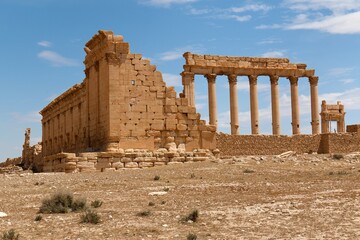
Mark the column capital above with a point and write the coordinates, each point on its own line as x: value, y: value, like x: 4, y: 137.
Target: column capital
x: 252, y: 79
x: 187, y: 77
x: 232, y: 78
x: 293, y: 80
x: 211, y: 77
x: 313, y: 80
x: 274, y: 79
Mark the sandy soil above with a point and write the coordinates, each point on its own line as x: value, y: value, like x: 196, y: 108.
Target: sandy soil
x: 298, y: 197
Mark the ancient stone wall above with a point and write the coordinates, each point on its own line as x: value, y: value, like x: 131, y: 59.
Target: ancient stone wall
x: 113, y: 161
x: 234, y: 145
x: 341, y: 142
x: 122, y: 103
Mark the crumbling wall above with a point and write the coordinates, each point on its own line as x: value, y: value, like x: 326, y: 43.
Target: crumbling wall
x: 234, y: 145
x: 341, y: 142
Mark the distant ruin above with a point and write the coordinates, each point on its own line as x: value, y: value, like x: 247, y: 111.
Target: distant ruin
x: 124, y: 116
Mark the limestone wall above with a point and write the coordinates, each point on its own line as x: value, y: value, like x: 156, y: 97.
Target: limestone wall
x: 266, y: 144
x: 130, y: 158
x: 341, y: 142
x: 122, y: 103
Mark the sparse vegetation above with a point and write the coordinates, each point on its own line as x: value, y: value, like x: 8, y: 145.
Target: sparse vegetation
x: 163, y: 202
x: 156, y: 178
x: 62, y: 202
x: 193, y: 216
x: 151, y: 204
x: 338, y: 173
x: 338, y: 156
x: 143, y: 214
x: 10, y: 235
x: 191, y: 236
x: 96, y: 203
x: 192, y: 175
x: 166, y: 189
x: 248, y: 171
x: 38, y: 218
x: 90, y: 216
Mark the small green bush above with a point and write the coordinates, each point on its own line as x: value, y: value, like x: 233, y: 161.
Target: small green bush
x: 156, y: 178
x: 10, y: 235
x: 191, y: 236
x: 249, y: 171
x: 38, y: 218
x: 62, y: 202
x: 96, y: 203
x: 193, y: 216
x: 151, y: 204
x: 338, y: 156
x: 143, y: 214
x: 90, y: 216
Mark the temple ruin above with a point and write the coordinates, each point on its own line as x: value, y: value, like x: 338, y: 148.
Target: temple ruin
x: 122, y: 115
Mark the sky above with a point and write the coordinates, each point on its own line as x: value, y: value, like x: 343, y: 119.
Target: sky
x: 42, y: 41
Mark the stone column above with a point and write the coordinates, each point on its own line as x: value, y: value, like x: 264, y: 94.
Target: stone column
x: 314, y: 104
x: 295, y: 113
x: 254, y: 106
x: 275, y: 104
x: 212, y: 98
x: 234, y: 111
x: 189, y: 87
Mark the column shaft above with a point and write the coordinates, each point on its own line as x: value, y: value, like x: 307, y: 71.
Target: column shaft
x: 295, y: 113
x: 234, y: 110
x: 212, y: 99
x: 275, y: 104
x: 189, y: 87
x: 254, y: 106
x: 314, y: 104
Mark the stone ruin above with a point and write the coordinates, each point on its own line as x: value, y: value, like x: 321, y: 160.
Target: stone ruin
x: 122, y: 115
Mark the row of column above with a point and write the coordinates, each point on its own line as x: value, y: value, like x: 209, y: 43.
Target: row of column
x: 189, y: 91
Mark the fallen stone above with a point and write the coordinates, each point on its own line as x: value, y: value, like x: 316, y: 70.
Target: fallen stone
x: 158, y: 193
x: 2, y: 214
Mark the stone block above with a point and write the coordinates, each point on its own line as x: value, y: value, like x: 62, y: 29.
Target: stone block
x: 183, y: 109
x: 146, y: 164
x: 117, y: 165
x: 170, y: 101
x: 181, y: 127
x: 159, y: 163
x: 131, y: 165
x: 170, y: 109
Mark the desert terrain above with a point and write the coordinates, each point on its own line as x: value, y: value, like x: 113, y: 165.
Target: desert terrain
x: 250, y: 197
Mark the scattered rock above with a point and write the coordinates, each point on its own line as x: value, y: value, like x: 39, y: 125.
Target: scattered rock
x: 158, y: 193
x: 2, y: 214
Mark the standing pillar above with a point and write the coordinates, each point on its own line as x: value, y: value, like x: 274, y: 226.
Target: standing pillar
x: 275, y: 104
x: 212, y: 98
x: 254, y: 106
x: 295, y: 113
x: 314, y: 104
x: 234, y: 111
x: 189, y: 87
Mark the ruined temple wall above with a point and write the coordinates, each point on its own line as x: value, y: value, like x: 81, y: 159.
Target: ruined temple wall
x: 64, y: 123
x: 234, y: 145
x: 341, y: 142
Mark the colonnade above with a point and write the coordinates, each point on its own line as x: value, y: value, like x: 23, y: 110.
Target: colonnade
x: 189, y: 92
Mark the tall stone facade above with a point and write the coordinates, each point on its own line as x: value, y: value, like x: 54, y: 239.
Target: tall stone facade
x: 122, y: 103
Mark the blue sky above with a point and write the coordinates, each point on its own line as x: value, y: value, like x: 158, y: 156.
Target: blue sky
x: 42, y: 51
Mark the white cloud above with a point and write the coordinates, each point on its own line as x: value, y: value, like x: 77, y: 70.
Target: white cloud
x: 178, y: 52
x: 239, y: 18
x: 29, y: 117
x: 338, y: 24
x: 336, y: 72
x: 166, y: 3
x: 273, y: 26
x: 336, y: 17
x: 274, y: 54
x: 252, y: 8
x: 350, y: 98
x: 44, y: 43
x: 270, y: 41
x: 172, y: 79
x: 347, y: 81
x: 56, y: 59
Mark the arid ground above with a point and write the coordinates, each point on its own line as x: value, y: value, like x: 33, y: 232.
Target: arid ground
x: 269, y: 197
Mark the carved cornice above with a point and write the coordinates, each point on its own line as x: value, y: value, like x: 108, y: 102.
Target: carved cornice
x: 187, y: 77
